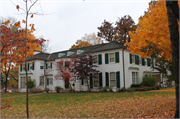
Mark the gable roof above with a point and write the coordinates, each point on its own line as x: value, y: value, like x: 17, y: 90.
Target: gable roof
x: 40, y: 56
x: 90, y: 49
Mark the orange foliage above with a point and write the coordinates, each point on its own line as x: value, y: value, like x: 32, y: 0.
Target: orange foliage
x: 80, y: 44
x: 152, y: 28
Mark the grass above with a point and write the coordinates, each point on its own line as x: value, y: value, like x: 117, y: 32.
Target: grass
x: 150, y: 104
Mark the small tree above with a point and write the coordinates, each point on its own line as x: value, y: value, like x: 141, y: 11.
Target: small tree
x: 82, y: 67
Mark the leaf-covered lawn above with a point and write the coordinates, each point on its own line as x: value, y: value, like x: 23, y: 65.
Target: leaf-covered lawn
x: 149, y: 104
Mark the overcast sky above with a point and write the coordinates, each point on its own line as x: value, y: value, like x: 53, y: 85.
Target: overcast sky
x: 66, y: 21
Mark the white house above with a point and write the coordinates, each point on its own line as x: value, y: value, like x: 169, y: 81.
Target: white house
x: 118, y: 68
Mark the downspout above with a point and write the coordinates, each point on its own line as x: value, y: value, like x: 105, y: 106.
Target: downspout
x: 123, y: 67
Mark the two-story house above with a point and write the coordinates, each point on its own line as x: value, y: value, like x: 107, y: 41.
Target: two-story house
x: 116, y: 65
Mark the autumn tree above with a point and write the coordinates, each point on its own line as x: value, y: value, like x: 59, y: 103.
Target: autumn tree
x: 25, y: 38
x: 173, y: 19
x: 80, y: 44
x: 82, y: 68
x: 107, y: 31
x: 119, y: 32
x: 158, y: 37
x: 87, y: 40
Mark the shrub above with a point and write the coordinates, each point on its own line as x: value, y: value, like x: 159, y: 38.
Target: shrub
x: 99, y: 88
x: 149, y: 81
x: 104, y: 89
x: 122, y: 90
x: 130, y: 90
x: 47, y: 89
x: 58, y: 88
x: 110, y: 89
x: 31, y: 83
x: 135, y: 85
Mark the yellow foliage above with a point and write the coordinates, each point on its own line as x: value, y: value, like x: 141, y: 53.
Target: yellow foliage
x: 152, y: 28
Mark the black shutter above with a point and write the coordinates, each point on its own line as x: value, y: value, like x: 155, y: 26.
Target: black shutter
x: 46, y: 65
x: 117, y: 57
x: 91, y: 81
x: 106, y: 58
x: 28, y: 67
x: 143, y: 62
x: 107, y: 79
x: 118, y: 79
x: 33, y: 66
x: 130, y: 58
x: 100, y: 79
x: 51, y: 65
x: 137, y: 59
x: 21, y: 68
x: 82, y: 82
x: 99, y: 59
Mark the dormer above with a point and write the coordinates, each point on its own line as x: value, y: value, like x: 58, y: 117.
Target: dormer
x: 61, y: 54
x: 79, y: 51
x: 70, y: 53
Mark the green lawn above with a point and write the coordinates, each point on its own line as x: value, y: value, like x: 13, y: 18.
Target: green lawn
x: 158, y: 103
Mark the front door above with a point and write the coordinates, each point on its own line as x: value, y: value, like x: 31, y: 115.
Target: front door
x: 66, y: 83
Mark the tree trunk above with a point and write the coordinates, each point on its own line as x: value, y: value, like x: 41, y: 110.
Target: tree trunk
x: 174, y: 37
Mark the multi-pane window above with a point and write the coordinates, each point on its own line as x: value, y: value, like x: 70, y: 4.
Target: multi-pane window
x: 23, y: 82
x: 135, y: 77
x: 113, y: 79
x: 96, y: 80
x: 111, y: 57
x: 41, y: 81
x: 60, y: 64
x: 133, y: 58
x: 95, y: 57
x: 51, y: 81
x: 67, y: 63
x: 42, y: 65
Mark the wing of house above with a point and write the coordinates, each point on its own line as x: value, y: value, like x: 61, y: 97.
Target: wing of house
x: 118, y: 67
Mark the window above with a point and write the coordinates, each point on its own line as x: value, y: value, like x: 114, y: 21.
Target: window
x: 70, y: 53
x: 41, y: 65
x: 135, y: 77
x: 61, y: 54
x: 80, y: 51
x: 133, y: 58
x: 95, y: 57
x: 51, y: 81
x: 113, y: 79
x: 111, y: 57
x: 60, y: 64
x: 48, y: 65
x: 67, y: 63
x: 96, y: 80
x: 140, y: 60
x: 41, y: 81
x: 23, y: 82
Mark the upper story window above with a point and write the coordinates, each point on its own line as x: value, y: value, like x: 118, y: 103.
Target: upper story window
x: 67, y: 63
x: 41, y: 65
x: 61, y: 54
x: 133, y: 58
x: 80, y: 51
x: 70, y: 53
x: 95, y: 57
x: 111, y: 57
x: 140, y: 60
x: 48, y: 65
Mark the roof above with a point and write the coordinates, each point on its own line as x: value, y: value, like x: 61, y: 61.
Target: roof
x: 40, y: 56
x: 90, y: 49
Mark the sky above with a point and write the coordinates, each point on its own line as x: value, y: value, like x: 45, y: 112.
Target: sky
x: 65, y: 21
